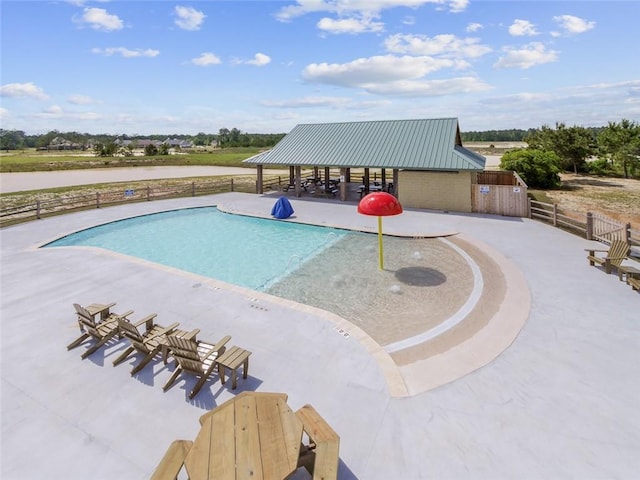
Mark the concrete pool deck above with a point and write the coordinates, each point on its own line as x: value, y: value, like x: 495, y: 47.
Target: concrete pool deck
x: 559, y: 402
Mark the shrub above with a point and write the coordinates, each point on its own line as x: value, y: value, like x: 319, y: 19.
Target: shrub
x: 600, y: 167
x: 538, y: 168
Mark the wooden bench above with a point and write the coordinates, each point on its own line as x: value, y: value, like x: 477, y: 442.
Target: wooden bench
x: 173, y: 460
x: 232, y: 359
x: 320, y: 457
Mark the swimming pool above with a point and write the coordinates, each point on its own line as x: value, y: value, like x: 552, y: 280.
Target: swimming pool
x: 332, y: 269
x: 246, y: 251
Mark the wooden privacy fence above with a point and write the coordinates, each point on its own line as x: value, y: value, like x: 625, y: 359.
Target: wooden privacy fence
x: 500, y: 193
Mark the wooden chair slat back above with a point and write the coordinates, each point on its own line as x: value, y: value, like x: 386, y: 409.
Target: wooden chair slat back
x: 83, y: 315
x: 181, y: 347
x: 618, y: 250
x: 129, y: 330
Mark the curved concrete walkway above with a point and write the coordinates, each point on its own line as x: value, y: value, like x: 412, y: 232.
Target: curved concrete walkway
x: 559, y: 402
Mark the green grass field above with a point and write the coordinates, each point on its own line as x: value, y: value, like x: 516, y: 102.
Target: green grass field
x: 33, y: 161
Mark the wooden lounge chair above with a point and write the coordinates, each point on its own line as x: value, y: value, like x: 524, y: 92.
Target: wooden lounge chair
x: 194, y: 356
x: 101, y: 331
x: 617, y: 252
x: 149, y: 342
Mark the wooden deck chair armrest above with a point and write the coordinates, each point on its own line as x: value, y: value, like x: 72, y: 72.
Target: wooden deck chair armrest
x: 164, y: 331
x: 593, y: 250
x: 123, y: 315
x: 145, y: 320
x: 616, y: 258
x: 192, y: 334
x: 148, y: 320
x: 219, y: 347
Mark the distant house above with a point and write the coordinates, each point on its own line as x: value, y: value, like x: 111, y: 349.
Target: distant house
x: 60, y: 143
x: 430, y: 167
x: 177, y: 143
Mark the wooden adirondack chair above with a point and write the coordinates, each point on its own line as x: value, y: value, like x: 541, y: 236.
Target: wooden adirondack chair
x: 101, y: 331
x: 617, y: 252
x: 194, y: 356
x: 149, y: 342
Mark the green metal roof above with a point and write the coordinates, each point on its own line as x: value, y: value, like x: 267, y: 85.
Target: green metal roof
x: 427, y: 144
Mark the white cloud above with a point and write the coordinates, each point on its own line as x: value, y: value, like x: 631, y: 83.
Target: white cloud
x: 58, y: 113
x: 259, y: 59
x: 80, y: 100
x: 206, y: 59
x: 474, y: 27
x: 349, y: 25
x: 308, y: 102
x: 445, y: 45
x: 528, y: 56
x: 126, y: 52
x: 393, y: 75
x: 28, y: 89
x: 4, y: 113
x: 372, y: 8
x: 522, y: 28
x: 430, y: 88
x: 377, y: 69
x: 100, y: 19
x: 54, y: 110
x: 573, y: 25
x: 189, y: 18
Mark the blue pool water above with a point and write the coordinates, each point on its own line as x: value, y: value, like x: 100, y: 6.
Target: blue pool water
x: 246, y: 251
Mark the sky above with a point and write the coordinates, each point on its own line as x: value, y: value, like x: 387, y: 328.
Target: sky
x: 166, y: 67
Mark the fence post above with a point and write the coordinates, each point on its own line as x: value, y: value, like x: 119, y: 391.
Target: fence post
x: 38, y: 209
x: 97, y: 199
x: 529, y: 208
x: 627, y: 233
x: 193, y: 189
x: 232, y: 185
x: 589, y: 226
x: 555, y: 215
x: 148, y: 193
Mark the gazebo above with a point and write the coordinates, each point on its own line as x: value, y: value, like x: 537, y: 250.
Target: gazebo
x: 429, y: 166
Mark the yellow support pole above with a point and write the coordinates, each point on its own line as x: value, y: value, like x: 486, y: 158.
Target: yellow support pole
x: 381, y: 255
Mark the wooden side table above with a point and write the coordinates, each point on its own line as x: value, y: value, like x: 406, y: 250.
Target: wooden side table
x: 232, y: 359
x: 628, y: 271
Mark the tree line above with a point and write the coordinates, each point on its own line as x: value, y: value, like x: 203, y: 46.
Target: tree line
x: 225, y: 138
x: 613, y: 150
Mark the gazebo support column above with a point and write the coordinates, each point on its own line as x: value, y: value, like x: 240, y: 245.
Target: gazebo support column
x: 365, y: 180
x: 298, y: 183
x: 292, y: 174
x: 395, y: 182
x: 344, y: 174
x: 383, y: 178
x: 259, y: 180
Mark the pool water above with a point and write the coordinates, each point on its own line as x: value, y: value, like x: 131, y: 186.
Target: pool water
x: 332, y: 269
x: 246, y: 251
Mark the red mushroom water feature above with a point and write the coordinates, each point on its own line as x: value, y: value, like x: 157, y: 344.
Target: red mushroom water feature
x: 380, y: 204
